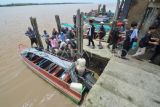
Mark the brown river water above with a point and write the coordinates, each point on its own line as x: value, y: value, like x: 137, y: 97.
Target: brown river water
x: 19, y: 86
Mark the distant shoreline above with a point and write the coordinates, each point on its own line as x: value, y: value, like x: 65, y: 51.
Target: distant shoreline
x: 29, y: 4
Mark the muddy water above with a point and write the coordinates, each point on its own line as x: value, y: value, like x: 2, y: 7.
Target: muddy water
x: 19, y: 86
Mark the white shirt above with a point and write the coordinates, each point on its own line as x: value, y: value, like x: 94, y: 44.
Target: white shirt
x: 134, y: 34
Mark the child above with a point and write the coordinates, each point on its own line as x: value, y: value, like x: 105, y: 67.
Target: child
x: 46, y: 36
x: 54, y: 44
x: 101, y: 34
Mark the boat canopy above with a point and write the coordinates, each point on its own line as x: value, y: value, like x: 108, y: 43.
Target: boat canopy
x: 64, y: 64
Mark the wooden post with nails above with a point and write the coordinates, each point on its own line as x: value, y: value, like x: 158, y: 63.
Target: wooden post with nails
x: 79, y: 31
x: 58, y: 23
x: 36, y: 31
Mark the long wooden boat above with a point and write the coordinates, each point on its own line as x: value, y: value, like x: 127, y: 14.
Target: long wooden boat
x: 51, y: 68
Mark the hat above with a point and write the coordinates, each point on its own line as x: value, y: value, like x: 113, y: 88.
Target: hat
x: 120, y: 23
x: 102, y: 23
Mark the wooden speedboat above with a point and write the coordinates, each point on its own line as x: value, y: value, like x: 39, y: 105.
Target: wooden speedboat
x: 53, y: 69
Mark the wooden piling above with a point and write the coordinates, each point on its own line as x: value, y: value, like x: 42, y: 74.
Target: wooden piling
x: 117, y: 10
x: 35, y: 28
x: 79, y: 31
x: 126, y: 7
x: 104, y: 9
x: 115, y: 15
x: 99, y: 8
x: 58, y: 23
x: 74, y: 20
x: 81, y: 34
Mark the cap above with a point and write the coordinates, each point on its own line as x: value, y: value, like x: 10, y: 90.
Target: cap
x: 102, y: 23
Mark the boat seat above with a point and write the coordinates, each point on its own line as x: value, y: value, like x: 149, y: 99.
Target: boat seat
x: 36, y: 59
x: 57, y: 70
x: 52, y: 69
x: 49, y: 67
x: 45, y: 64
x: 41, y: 62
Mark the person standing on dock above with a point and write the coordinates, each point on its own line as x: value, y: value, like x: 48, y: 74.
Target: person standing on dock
x: 134, y: 35
x: 114, y: 38
x: 157, y: 50
x: 102, y: 33
x: 145, y: 41
x: 31, y: 34
x: 46, y: 36
x: 91, y: 34
x: 54, y: 33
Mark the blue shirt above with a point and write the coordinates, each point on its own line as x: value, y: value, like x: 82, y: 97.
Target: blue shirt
x: 61, y: 37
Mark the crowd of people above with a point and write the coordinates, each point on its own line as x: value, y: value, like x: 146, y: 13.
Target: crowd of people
x: 57, y: 42
x: 131, y: 40
x: 65, y: 40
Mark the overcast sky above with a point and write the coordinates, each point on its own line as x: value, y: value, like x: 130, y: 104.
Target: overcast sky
x: 53, y: 1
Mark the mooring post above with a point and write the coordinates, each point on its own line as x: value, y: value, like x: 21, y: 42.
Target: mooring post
x: 116, y: 15
x: 99, y: 8
x: 78, y: 26
x: 104, y: 9
x: 79, y: 31
x: 58, y: 23
x: 36, y: 31
x: 74, y: 20
x: 126, y: 8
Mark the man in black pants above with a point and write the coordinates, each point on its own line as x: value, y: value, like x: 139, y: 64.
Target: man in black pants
x: 126, y: 44
x: 157, y: 50
x: 91, y: 33
x: 114, y: 38
x: 31, y: 34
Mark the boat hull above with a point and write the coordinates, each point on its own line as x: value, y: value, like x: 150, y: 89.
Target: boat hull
x: 54, y: 81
